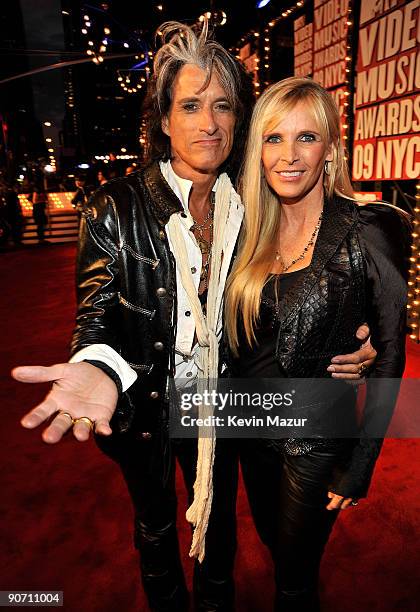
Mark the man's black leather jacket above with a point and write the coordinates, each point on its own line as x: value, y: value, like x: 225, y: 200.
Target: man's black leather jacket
x: 126, y: 289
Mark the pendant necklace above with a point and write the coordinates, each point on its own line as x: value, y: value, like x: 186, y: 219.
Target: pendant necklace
x: 305, y: 250
x: 205, y: 245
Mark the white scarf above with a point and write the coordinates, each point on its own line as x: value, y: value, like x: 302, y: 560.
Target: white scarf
x: 199, y: 512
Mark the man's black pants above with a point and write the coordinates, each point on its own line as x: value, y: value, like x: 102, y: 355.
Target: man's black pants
x: 155, y: 505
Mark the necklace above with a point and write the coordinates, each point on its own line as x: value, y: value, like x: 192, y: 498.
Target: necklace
x: 201, y: 226
x: 205, y: 245
x: 305, y: 250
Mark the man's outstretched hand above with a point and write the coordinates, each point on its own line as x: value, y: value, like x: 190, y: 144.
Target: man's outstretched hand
x: 79, y: 390
x: 353, y: 365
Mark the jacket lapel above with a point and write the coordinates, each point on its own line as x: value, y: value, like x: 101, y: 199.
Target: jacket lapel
x: 338, y: 219
x: 164, y: 202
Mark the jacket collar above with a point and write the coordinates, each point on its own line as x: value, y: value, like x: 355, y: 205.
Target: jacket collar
x: 339, y: 218
x: 165, y: 202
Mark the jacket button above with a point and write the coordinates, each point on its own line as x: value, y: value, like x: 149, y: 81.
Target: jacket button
x: 146, y: 435
x: 158, y: 346
x: 161, y: 292
x: 162, y: 234
x: 154, y: 395
x: 193, y: 270
x: 188, y: 313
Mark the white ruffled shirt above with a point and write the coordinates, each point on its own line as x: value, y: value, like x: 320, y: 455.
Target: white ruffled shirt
x: 186, y: 355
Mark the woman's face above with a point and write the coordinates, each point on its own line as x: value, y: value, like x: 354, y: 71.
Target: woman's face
x: 293, y: 156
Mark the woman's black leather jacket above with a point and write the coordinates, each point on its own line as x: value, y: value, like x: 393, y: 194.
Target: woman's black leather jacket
x: 358, y: 274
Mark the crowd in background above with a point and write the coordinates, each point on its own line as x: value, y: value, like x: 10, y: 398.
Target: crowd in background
x: 35, y: 182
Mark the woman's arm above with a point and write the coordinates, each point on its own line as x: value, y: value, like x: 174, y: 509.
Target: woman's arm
x: 384, y: 237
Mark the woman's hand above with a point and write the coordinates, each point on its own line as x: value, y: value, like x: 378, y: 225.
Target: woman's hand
x: 338, y: 502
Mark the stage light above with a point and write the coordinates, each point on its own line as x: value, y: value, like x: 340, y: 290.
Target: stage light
x: 262, y: 3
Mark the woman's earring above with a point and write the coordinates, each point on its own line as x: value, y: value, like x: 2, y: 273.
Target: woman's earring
x: 327, y: 167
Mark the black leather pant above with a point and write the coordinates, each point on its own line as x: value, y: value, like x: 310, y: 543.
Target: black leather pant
x: 155, y: 532
x: 288, y: 495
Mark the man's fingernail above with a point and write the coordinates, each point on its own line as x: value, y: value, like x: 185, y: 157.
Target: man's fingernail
x: 331, y: 368
x: 335, y: 360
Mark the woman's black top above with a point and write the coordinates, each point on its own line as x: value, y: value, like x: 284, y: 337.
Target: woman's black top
x: 258, y: 361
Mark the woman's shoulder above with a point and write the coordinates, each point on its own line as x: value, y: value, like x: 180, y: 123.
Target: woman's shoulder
x: 386, y: 229
x: 377, y: 217
x: 380, y: 219
x: 382, y: 213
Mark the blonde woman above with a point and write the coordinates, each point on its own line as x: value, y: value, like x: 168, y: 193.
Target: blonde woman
x: 312, y: 265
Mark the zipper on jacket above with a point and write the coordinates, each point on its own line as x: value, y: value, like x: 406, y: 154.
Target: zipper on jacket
x: 153, y: 262
x: 142, y: 367
x: 130, y: 306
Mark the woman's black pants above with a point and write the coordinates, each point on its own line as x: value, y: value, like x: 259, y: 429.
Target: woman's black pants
x: 288, y: 496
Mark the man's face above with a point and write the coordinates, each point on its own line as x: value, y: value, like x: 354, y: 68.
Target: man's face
x: 200, y: 125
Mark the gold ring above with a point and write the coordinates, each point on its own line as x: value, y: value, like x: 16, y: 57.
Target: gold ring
x: 85, y: 420
x: 67, y: 414
x: 362, y: 369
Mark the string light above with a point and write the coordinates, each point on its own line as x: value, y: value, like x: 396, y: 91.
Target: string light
x: 266, y: 47
x: 143, y: 137
x: 130, y: 81
x: 414, y: 278
x: 95, y: 50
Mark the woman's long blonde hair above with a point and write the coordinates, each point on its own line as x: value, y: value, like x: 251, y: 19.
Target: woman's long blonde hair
x: 262, y: 211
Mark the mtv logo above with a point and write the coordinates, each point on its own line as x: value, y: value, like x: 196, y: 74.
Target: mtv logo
x: 371, y: 9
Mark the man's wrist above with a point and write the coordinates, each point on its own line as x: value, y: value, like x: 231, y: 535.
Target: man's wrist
x: 109, y: 371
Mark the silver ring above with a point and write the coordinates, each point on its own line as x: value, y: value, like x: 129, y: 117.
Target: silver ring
x: 354, y: 503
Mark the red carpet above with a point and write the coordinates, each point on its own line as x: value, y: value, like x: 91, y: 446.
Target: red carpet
x: 66, y: 516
